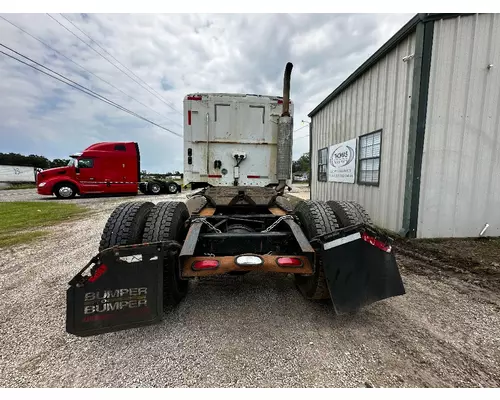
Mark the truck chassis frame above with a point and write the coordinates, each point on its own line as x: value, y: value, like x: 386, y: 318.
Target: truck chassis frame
x: 229, y: 231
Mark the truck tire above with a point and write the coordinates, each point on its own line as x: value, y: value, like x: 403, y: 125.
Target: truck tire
x: 167, y: 222
x: 316, y: 218
x: 346, y: 214
x: 172, y: 188
x: 362, y: 214
x: 125, y: 225
x: 65, y: 190
x: 154, y: 188
x: 349, y: 213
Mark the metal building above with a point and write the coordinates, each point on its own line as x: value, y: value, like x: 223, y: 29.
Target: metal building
x: 414, y: 133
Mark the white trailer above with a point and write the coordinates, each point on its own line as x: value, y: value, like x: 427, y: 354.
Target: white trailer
x: 231, y: 139
x: 15, y: 173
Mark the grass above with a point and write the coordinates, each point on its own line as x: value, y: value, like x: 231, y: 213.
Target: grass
x: 15, y: 186
x: 19, y: 221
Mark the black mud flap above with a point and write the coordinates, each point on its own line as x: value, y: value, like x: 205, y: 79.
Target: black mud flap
x: 124, y: 290
x: 360, y: 268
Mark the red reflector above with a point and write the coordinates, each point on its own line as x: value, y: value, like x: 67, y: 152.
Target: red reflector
x: 253, y: 176
x: 98, y: 273
x: 377, y: 243
x: 280, y: 101
x: 289, y: 262
x: 215, y: 176
x: 196, y: 98
x: 189, y: 117
x: 205, y: 264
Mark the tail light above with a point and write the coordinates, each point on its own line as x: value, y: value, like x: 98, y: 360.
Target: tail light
x: 375, y: 242
x: 98, y: 273
x: 289, y: 262
x: 253, y: 176
x: 215, y: 176
x: 205, y: 264
x: 189, y: 117
x: 195, y: 98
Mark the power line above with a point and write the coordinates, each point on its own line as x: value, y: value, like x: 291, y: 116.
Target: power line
x: 83, y: 89
x: 83, y: 41
x: 90, y: 72
x: 302, y: 127
x: 57, y: 73
x: 114, y: 58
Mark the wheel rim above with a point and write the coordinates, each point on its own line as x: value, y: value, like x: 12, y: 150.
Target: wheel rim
x: 172, y: 188
x: 155, y: 189
x: 66, y: 191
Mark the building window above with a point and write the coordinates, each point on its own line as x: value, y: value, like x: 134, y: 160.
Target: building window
x: 369, y: 158
x: 322, y: 164
x: 120, y: 147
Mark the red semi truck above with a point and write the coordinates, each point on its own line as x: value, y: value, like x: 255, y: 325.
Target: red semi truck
x: 102, y: 168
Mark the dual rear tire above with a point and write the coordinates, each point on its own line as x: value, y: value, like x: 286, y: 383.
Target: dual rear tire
x: 155, y: 188
x: 143, y: 222
x: 318, y: 218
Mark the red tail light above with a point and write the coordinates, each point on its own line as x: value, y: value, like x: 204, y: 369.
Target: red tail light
x: 253, y: 176
x: 375, y: 242
x: 189, y: 117
x: 289, y: 262
x: 205, y: 264
x: 98, y: 273
x: 215, y: 176
x: 195, y: 98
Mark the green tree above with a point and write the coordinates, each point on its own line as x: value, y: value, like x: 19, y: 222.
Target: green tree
x: 58, y: 162
x: 302, y: 164
x: 32, y: 160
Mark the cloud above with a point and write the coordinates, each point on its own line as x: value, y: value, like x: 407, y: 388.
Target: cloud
x: 172, y: 55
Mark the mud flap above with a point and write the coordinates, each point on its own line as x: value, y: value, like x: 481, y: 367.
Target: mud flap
x: 124, y: 290
x: 360, y: 269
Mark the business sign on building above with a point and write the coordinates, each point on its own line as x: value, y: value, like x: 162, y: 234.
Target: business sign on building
x: 342, y: 162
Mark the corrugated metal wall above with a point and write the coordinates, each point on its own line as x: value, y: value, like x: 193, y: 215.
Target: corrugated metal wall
x: 379, y: 99
x: 460, y: 183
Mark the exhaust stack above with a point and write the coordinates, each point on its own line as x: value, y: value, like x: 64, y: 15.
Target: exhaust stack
x: 285, y: 134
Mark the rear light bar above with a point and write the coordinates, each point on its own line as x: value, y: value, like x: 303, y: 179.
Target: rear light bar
x: 189, y: 117
x: 375, y: 242
x: 215, y: 176
x: 205, y: 264
x: 253, y: 176
x: 289, y: 262
x: 195, y: 98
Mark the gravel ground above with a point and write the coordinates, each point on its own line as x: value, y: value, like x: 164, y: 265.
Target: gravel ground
x: 254, y: 331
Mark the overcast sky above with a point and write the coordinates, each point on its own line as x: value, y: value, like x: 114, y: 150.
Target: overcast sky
x: 174, y: 55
